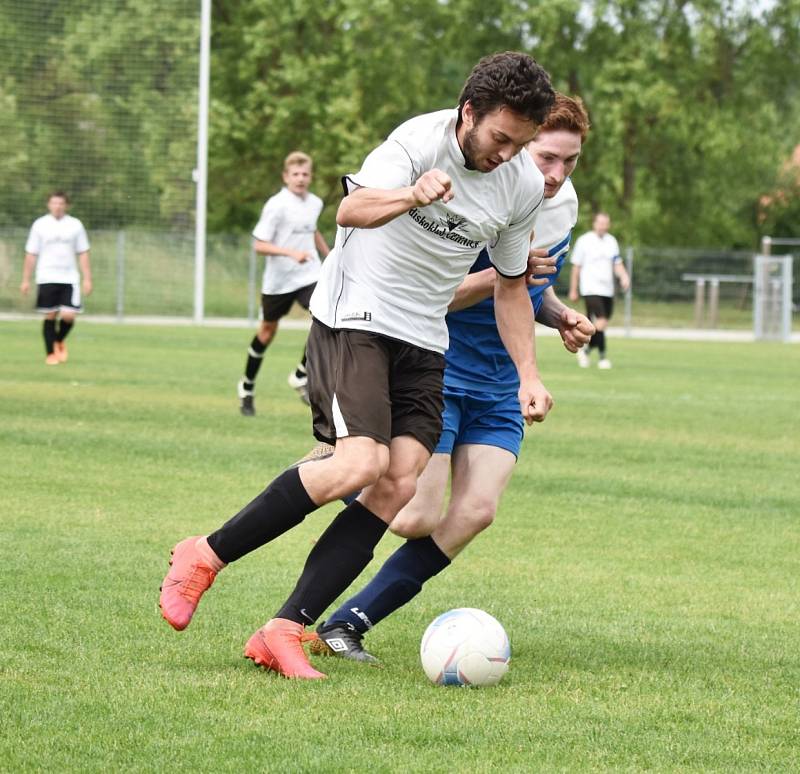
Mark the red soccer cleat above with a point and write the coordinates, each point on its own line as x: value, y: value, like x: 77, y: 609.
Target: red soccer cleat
x: 278, y: 646
x: 193, y: 567
x: 60, y: 351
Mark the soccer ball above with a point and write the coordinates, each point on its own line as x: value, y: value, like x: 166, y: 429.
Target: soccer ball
x: 465, y: 647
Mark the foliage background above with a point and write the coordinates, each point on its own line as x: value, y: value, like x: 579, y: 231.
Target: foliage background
x: 694, y: 104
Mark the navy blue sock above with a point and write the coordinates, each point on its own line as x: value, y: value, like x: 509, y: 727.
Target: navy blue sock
x: 397, y: 582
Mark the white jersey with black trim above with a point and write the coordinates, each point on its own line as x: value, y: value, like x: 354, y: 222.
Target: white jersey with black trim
x: 556, y: 221
x: 596, y: 255
x: 57, y: 242
x: 288, y: 220
x: 397, y: 280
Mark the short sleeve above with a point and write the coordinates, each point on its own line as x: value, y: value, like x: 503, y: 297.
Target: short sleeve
x: 615, y: 247
x: 391, y: 165
x: 576, y: 259
x: 34, y: 243
x: 268, y: 223
x: 509, y: 254
x: 81, y: 240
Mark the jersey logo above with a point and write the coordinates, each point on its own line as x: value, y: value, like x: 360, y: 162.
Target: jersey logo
x: 366, y: 316
x: 452, y: 222
x: 446, y: 228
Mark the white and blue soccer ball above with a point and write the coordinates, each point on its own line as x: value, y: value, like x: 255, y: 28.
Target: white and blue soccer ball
x: 465, y: 647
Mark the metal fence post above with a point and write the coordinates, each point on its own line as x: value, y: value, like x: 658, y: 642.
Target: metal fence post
x: 629, y: 292
x: 120, y: 275
x: 251, y: 285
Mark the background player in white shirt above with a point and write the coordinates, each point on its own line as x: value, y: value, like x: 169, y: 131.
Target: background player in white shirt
x: 595, y: 261
x: 287, y: 236
x: 424, y: 204
x: 57, y: 244
x: 482, y: 432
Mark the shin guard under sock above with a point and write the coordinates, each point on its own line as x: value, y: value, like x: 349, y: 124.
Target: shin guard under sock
x: 49, y: 332
x: 63, y: 329
x: 336, y: 560
x: 255, y: 354
x: 281, y: 506
x: 399, y: 580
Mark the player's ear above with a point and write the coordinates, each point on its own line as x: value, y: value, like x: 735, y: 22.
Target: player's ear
x: 468, y: 115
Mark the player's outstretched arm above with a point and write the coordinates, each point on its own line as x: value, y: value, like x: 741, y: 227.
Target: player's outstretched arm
x: 374, y: 207
x: 514, y: 316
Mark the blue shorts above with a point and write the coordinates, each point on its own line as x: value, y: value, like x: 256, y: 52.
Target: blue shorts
x: 486, y: 418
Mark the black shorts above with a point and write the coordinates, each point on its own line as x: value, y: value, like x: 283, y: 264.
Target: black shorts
x: 274, y: 307
x: 365, y: 384
x: 55, y: 296
x: 599, y: 306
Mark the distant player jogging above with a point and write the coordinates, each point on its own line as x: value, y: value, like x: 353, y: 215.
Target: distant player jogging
x: 57, y: 246
x: 483, y: 428
x: 595, y: 262
x: 425, y: 203
x: 287, y: 236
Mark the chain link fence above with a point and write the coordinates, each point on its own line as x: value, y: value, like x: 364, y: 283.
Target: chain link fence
x: 147, y: 273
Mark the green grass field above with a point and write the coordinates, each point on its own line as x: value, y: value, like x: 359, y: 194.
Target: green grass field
x: 644, y: 563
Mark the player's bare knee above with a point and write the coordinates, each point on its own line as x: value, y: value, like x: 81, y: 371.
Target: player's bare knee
x: 479, y: 517
x: 412, y: 524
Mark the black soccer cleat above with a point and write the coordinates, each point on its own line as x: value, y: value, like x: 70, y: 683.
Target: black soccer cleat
x: 340, y: 639
x: 247, y: 405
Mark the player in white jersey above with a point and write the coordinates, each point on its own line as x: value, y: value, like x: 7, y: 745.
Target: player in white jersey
x: 423, y: 205
x: 482, y: 432
x: 287, y: 236
x: 595, y: 263
x: 57, y: 245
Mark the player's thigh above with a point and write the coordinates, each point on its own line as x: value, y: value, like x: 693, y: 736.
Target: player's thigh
x: 480, y: 475
x: 303, y: 295
x: 348, y: 384
x: 276, y: 305
x: 416, y: 382
x: 397, y: 486
x: 424, y: 511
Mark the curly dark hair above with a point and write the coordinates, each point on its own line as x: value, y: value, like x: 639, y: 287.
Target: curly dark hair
x: 509, y: 79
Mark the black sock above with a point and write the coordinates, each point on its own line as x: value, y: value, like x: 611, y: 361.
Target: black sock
x: 601, y: 343
x: 337, y: 559
x: 49, y: 331
x: 281, y: 506
x: 593, y: 342
x: 255, y: 354
x: 64, y: 328
x: 300, y: 371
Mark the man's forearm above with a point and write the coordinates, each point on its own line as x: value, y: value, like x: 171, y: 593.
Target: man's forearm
x: 27, y: 266
x: 86, y: 268
x: 551, y: 309
x: 268, y: 248
x: 475, y: 287
x: 514, y: 316
x: 321, y: 244
x: 373, y: 207
x: 573, y: 280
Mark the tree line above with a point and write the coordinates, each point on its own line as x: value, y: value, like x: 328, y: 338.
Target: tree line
x: 694, y: 105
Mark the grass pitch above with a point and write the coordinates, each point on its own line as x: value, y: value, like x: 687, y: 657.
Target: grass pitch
x: 644, y: 563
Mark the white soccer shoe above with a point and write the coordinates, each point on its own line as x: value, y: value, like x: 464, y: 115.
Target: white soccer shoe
x: 583, y: 359
x: 604, y: 364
